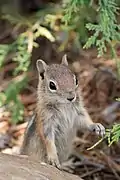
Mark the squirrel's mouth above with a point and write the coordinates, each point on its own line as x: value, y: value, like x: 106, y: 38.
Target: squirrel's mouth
x: 71, y: 97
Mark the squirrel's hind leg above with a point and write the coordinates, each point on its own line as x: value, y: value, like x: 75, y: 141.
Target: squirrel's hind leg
x: 74, y: 161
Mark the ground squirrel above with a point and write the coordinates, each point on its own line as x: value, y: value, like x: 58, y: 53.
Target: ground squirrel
x: 60, y: 113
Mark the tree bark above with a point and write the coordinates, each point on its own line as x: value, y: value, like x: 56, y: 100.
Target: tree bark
x: 23, y: 168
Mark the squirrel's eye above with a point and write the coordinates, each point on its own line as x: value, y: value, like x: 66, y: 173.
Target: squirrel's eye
x: 52, y: 86
x: 76, y: 80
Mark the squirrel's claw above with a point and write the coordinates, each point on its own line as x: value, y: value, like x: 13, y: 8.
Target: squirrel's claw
x: 98, y: 129
x: 54, y: 162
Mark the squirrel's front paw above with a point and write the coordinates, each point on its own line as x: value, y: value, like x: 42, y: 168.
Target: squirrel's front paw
x: 53, y: 160
x: 97, y: 128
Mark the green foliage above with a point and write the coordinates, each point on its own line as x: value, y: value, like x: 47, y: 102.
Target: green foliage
x: 107, y: 30
x: 22, y: 56
x: 72, y: 9
x: 21, y: 49
x: 4, y: 49
x: 76, y: 15
x: 95, y: 24
x: 118, y: 99
x: 10, y: 95
x: 113, y: 134
x: 10, y: 98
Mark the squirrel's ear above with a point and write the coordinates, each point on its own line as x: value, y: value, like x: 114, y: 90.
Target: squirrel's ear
x: 64, y: 60
x: 41, y: 67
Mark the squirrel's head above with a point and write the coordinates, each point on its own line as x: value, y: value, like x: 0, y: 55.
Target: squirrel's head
x: 57, y: 81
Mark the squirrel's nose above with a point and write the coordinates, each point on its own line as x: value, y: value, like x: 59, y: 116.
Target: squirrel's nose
x: 70, y: 99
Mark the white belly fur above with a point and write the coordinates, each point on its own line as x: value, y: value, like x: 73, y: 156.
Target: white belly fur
x: 66, y: 131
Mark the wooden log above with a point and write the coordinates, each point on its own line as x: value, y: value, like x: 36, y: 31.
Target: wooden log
x: 23, y: 168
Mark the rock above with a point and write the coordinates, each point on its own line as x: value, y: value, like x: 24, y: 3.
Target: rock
x: 23, y: 168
